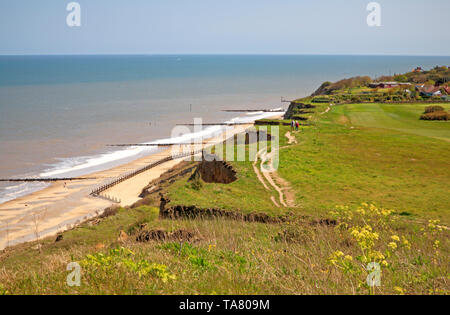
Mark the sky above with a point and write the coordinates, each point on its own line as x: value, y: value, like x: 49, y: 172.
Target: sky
x: 408, y: 27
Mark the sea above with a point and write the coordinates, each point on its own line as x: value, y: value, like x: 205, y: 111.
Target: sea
x: 58, y: 114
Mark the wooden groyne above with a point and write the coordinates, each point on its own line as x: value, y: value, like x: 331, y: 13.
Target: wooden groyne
x: 216, y: 124
x: 110, y: 198
x: 96, y: 192
x: 45, y: 179
x: 152, y: 145
x: 253, y: 110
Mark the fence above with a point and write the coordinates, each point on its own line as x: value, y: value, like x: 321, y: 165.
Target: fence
x: 96, y: 192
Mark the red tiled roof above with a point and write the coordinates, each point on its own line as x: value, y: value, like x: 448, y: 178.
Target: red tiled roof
x: 429, y: 89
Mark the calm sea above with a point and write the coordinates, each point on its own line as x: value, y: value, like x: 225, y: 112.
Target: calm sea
x: 57, y: 113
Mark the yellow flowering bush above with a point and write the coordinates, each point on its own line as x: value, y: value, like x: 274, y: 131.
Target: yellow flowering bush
x: 366, y: 225
x: 342, y: 261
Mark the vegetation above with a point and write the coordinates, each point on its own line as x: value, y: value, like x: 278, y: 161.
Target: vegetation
x: 328, y: 88
x: 437, y: 75
x: 357, y: 90
x: 370, y: 184
x: 435, y: 113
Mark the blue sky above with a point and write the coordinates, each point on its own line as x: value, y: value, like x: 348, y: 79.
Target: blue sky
x: 412, y: 27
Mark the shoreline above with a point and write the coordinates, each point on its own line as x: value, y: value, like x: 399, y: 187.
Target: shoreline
x: 61, y: 207
x: 70, y: 163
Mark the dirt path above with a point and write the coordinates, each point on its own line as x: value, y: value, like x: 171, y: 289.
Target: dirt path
x: 327, y: 110
x: 291, y: 138
x: 285, y: 195
x: 258, y: 174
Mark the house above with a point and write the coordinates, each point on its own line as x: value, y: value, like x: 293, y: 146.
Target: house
x: 429, y: 90
x: 387, y: 85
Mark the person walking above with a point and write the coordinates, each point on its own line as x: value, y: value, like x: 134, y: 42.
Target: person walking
x: 296, y: 125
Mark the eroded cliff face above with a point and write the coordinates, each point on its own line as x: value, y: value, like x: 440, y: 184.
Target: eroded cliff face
x: 212, y: 171
x: 297, y: 108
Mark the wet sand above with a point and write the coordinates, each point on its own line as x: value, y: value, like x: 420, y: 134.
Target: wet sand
x: 58, y: 208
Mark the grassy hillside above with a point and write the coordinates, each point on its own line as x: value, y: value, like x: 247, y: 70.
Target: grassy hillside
x: 355, y: 153
x: 370, y: 181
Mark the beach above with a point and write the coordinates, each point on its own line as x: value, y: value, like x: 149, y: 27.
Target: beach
x: 62, y: 206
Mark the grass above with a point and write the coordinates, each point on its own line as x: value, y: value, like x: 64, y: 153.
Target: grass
x: 362, y: 152
x: 355, y: 153
x: 375, y: 153
x: 246, y: 195
x: 231, y: 258
x: 400, y: 117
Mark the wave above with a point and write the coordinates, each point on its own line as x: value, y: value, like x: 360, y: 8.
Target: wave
x: 83, y: 165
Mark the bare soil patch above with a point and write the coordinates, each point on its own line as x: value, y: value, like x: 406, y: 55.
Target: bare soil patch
x: 192, y: 212
x: 164, y: 236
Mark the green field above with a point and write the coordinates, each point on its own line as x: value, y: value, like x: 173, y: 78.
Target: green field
x: 355, y: 153
x: 398, y: 117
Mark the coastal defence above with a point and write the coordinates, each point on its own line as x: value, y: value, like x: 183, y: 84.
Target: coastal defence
x: 61, y: 207
x: 69, y: 179
x: 99, y: 190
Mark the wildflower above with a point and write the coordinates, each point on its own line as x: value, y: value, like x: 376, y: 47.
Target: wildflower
x: 436, y: 244
x: 361, y: 211
x: 399, y: 290
x: 395, y: 238
x: 348, y: 257
x: 392, y: 245
x: 335, y: 257
x: 406, y: 243
x: 384, y: 263
x: 375, y: 256
x: 364, y: 236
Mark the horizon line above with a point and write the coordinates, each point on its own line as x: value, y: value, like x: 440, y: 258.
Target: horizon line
x: 223, y: 54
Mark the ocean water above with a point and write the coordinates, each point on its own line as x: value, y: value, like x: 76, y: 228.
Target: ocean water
x: 58, y: 113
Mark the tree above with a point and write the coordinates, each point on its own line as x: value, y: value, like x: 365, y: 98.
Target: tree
x: 401, y: 78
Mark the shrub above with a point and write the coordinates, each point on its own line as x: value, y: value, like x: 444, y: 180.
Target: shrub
x: 401, y: 78
x: 442, y: 115
x: 196, y: 182
x: 432, y: 109
x: 321, y: 100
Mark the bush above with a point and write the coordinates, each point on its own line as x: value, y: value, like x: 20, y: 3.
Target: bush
x: 321, y: 100
x: 401, y: 78
x: 196, y: 182
x: 432, y: 109
x: 442, y: 115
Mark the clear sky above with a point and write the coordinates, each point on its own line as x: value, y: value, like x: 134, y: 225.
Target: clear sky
x: 413, y: 27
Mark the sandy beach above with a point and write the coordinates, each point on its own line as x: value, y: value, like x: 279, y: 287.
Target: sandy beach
x: 60, y: 206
